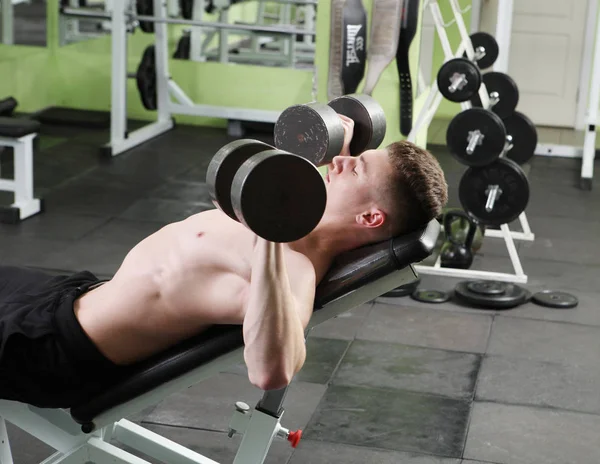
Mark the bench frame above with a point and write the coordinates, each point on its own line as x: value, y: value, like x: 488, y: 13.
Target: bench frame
x: 259, y: 426
x: 22, y: 184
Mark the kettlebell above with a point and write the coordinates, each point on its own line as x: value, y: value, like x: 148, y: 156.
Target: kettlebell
x: 456, y: 251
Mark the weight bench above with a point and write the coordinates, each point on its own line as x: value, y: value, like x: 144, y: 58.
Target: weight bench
x: 82, y: 434
x: 19, y: 134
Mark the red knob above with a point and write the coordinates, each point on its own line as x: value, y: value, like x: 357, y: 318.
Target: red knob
x: 294, y: 437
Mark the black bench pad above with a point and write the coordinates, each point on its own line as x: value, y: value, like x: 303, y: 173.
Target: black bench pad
x: 15, y: 128
x: 351, y: 271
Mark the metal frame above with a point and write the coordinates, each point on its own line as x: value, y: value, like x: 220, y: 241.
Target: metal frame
x: 22, y: 184
x: 424, y: 120
x: 167, y: 89
x: 259, y: 426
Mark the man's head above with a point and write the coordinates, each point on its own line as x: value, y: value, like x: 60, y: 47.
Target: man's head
x: 386, y: 192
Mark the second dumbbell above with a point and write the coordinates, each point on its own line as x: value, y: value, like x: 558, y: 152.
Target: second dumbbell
x: 315, y: 131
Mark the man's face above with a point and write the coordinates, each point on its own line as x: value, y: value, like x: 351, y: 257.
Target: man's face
x: 352, y: 180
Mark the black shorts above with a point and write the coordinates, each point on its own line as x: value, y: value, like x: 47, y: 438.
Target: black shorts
x: 46, y: 359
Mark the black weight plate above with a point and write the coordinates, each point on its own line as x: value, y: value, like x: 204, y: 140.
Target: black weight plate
x: 507, y: 90
x: 222, y: 169
x: 145, y: 8
x: 524, y: 137
x: 487, y: 287
x: 430, y: 296
x: 313, y: 131
x: 146, y: 79
x: 552, y: 299
x: 403, y: 290
x: 489, y: 124
x: 489, y: 43
x: 475, y: 182
x: 281, y: 197
x: 512, y: 297
x: 454, y: 68
x: 369, y: 120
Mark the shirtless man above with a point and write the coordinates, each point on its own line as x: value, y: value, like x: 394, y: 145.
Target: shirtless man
x: 60, y: 336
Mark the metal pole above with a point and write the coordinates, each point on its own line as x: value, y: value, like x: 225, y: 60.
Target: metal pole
x: 118, y: 110
x: 189, y: 22
x: 503, y: 34
x: 7, y: 22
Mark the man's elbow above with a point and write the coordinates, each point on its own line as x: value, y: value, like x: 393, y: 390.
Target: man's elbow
x: 278, y: 376
x: 274, y: 380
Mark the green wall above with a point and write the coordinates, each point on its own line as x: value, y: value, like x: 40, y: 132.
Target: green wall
x: 78, y: 75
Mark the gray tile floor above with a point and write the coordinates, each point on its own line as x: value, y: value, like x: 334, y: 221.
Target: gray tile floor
x: 392, y: 381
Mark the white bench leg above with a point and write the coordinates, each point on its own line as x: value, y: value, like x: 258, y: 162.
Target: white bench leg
x: 5, y: 454
x: 22, y: 185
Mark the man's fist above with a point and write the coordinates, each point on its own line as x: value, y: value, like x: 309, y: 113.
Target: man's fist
x: 348, y: 134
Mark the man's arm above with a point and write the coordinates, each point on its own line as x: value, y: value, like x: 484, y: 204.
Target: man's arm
x: 277, y: 312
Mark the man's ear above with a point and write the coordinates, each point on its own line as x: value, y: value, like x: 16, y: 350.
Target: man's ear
x: 372, y: 218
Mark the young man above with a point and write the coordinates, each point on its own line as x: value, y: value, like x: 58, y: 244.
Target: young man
x: 60, y: 336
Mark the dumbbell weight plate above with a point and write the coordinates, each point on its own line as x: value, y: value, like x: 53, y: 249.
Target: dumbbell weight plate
x: 281, y: 197
x: 313, y: 131
x: 489, y: 124
x: 456, y: 67
x: 513, y: 296
x: 472, y: 192
x: 223, y: 168
x: 507, y: 90
x: 489, y: 43
x: 146, y: 79
x: 524, y: 137
x: 369, y: 120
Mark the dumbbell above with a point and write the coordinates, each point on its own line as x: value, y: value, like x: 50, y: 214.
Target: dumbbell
x: 459, y: 80
x: 494, y: 194
x: 278, y: 195
x: 503, y: 92
x: 477, y: 137
x: 315, y: 130
x: 486, y: 49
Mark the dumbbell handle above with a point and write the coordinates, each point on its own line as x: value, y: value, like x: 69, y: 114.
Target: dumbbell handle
x: 479, y: 53
x: 494, y: 99
x: 475, y: 138
x: 457, y: 82
x: 493, y: 193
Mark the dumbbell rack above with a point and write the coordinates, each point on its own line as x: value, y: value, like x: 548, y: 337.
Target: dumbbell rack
x: 433, y: 101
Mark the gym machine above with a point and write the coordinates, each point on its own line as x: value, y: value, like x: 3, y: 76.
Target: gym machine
x: 6, y: 26
x: 494, y: 190
x: 169, y: 98
x: 253, y: 47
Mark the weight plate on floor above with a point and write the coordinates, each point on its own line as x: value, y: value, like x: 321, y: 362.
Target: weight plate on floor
x: 513, y: 195
x: 487, y: 287
x: 430, y: 296
x: 524, y: 137
x: 488, y: 42
x: 512, y: 297
x: 553, y: 299
x: 403, y: 290
x: 454, y: 69
x: 468, y: 122
x: 507, y: 90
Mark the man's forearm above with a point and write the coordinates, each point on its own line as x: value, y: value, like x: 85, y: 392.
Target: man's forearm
x: 273, y: 331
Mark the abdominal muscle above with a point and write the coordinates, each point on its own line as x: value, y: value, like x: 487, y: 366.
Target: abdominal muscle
x: 172, y: 285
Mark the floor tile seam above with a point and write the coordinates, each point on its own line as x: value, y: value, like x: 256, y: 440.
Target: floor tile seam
x: 465, y: 399
x: 538, y: 407
x: 411, y: 345
x: 383, y: 450
x: 530, y: 318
